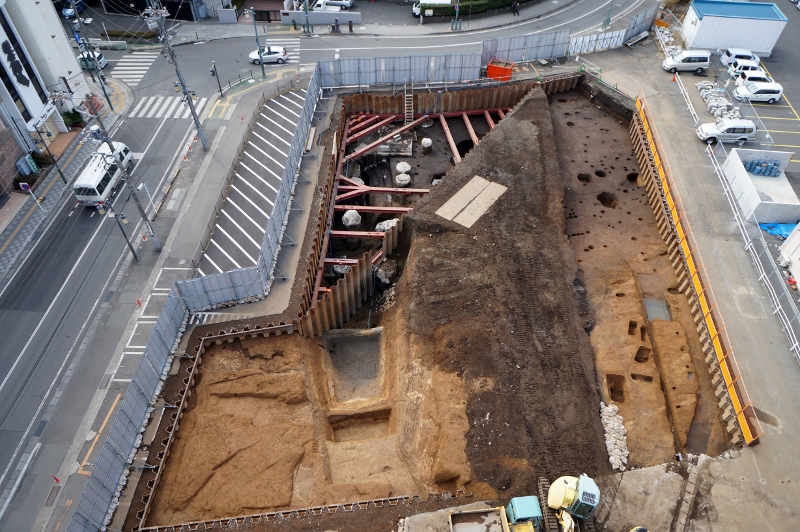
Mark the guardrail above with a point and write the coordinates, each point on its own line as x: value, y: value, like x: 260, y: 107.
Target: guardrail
x: 240, y: 79
x: 692, y: 277
x: 768, y: 272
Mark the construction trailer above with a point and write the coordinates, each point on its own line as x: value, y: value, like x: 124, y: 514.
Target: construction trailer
x: 716, y: 25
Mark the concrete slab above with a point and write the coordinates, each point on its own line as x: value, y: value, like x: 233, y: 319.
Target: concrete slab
x: 627, y: 84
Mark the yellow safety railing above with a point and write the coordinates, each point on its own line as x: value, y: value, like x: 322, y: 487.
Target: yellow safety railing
x: 740, y: 401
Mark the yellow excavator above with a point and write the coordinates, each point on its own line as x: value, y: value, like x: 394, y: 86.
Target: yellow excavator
x: 574, y: 500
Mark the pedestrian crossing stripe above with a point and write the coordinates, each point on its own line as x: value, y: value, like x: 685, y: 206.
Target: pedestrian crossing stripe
x: 165, y: 107
x: 131, y: 68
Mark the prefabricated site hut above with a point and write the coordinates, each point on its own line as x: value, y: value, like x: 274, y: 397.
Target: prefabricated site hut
x: 716, y: 25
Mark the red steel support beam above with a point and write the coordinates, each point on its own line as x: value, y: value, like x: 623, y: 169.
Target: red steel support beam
x: 450, y: 140
x: 370, y: 208
x: 359, y: 122
x: 501, y: 113
x: 372, y: 128
x: 362, y: 151
x: 354, y: 192
x: 452, y: 114
x: 357, y: 234
x: 469, y: 129
x: 489, y: 120
x: 348, y: 181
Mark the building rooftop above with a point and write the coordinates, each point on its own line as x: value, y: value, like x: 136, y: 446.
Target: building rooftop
x: 738, y: 10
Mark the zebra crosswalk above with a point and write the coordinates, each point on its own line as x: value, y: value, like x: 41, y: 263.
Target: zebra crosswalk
x: 165, y: 107
x: 292, y: 46
x: 132, y: 67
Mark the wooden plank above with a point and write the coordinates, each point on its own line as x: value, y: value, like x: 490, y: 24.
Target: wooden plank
x: 462, y: 198
x: 478, y: 206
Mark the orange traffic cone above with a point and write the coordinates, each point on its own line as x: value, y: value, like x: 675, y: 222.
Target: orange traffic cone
x: 674, y: 78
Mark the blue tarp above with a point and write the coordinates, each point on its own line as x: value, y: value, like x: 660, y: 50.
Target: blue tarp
x: 781, y: 230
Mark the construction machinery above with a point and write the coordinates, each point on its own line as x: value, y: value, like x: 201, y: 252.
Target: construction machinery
x: 523, y: 514
x: 574, y: 500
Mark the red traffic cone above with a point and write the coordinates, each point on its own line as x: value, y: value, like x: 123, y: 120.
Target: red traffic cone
x: 674, y: 78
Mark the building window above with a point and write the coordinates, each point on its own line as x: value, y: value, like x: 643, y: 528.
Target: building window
x: 23, y: 59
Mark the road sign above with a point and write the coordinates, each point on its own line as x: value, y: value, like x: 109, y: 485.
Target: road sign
x: 25, y: 186
x: 456, y: 7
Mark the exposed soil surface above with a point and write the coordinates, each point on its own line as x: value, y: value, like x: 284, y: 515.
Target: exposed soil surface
x: 481, y: 375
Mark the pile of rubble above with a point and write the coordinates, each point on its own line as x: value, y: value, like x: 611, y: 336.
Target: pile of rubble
x: 616, y: 440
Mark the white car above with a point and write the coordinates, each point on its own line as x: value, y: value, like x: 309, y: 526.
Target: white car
x: 271, y: 54
x: 757, y: 76
x: 732, y: 54
x: 727, y: 130
x: 758, y: 92
x: 344, y: 4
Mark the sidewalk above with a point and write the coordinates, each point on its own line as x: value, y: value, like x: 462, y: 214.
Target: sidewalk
x: 22, y: 219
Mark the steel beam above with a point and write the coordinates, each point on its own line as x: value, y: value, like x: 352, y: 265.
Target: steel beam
x: 370, y: 208
x: 450, y: 140
x: 342, y: 262
x: 488, y: 119
x: 372, y: 128
x: 470, y: 129
x: 354, y: 192
x: 501, y: 113
x: 362, y: 151
x: 357, y: 234
x: 359, y: 122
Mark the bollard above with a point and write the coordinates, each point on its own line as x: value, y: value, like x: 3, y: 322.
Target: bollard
x: 294, y: 24
x: 350, y: 24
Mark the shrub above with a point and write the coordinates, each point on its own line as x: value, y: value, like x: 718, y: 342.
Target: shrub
x: 108, y: 34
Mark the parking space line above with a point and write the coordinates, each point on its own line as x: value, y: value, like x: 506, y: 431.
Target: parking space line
x: 785, y: 98
x: 279, y: 104
x: 248, y: 199
x: 291, y: 101
x: 267, y: 154
x: 240, y: 228
x: 214, y: 264
x: 225, y: 252
x: 277, y: 124
x: 268, y: 143
x: 246, y: 182
x: 246, y: 215
x: 276, y: 135
x: 779, y: 131
x: 235, y: 243
x: 263, y: 166
x: 785, y: 146
x: 778, y: 118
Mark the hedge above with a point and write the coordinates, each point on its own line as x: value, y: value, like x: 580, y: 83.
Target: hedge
x: 478, y: 6
x: 149, y: 34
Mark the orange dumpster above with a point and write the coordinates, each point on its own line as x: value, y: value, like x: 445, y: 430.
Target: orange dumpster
x: 499, y: 70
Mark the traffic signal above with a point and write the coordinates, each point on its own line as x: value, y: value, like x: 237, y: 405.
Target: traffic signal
x: 211, y: 70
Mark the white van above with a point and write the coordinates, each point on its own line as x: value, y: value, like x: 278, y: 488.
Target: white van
x: 415, y: 9
x: 85, y: 60
x: 98, y: 181
x: 687, y: 61
x: 727, y: 130
x: 732, y: 54
x: 758, y: 92
x: 742, y: 65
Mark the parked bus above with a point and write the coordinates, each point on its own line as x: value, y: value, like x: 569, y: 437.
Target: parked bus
x: 96, y: 184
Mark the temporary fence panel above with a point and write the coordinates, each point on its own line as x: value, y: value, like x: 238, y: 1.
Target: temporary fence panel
x: 641, y: 21
x: 421, y: 69
x: 526, y: 47
x: 587, y: 44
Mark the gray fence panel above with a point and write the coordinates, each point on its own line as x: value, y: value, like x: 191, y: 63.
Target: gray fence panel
x: 526, y: 47
x: 587, y: 44
x: 641, y: 21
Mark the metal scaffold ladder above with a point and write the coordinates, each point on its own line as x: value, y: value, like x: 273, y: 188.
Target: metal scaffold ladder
x: 409, y: 102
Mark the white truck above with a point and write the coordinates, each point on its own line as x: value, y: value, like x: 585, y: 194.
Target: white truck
x: 419, y: 7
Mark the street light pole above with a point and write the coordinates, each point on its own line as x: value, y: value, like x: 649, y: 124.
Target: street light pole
x: 216, y: 75
x: 127, y: 180
x: 120, y: 218
x: 607, y: 21
x: 307, y: 27
x: 260, y: 52
x: 89, y: 53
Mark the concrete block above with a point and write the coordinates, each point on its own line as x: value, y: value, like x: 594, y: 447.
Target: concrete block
x: 727, y: 414
x: 733, y: 426
x: 736, y: 438
x: 716, y: 377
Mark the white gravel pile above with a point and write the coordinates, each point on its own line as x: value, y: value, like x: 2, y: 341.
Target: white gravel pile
x: 616, y: 440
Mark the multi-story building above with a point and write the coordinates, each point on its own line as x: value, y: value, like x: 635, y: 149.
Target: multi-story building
x: 35, y: 59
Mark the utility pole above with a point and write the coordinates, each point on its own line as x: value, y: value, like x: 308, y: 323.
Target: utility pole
x: 155, y: 21
x: 607, y: 21
x: 260, y: 51
x: 127, y: 179
x: 46, y: 147
x: 120, y: 218
x: 86, y: 48
x: 307, y: 28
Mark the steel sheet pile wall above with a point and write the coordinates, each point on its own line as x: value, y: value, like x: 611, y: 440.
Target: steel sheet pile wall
x: 526, y: 47
x: 693, y: 281
x: 421, y: 69
x: 101, y: 495
x: 455, y: 100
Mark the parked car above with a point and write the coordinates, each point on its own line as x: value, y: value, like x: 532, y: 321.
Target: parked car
x: 742, y: 65
x: 759, y: 76
x: 759, y: 92
x: 688, y: 60
x: 344, y: 4
x: 731, y: 54
x: 270, y: 54
x: 85, y: 60
x: 322, y: 5
x: 727, y: 130
x: 68, y: 12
